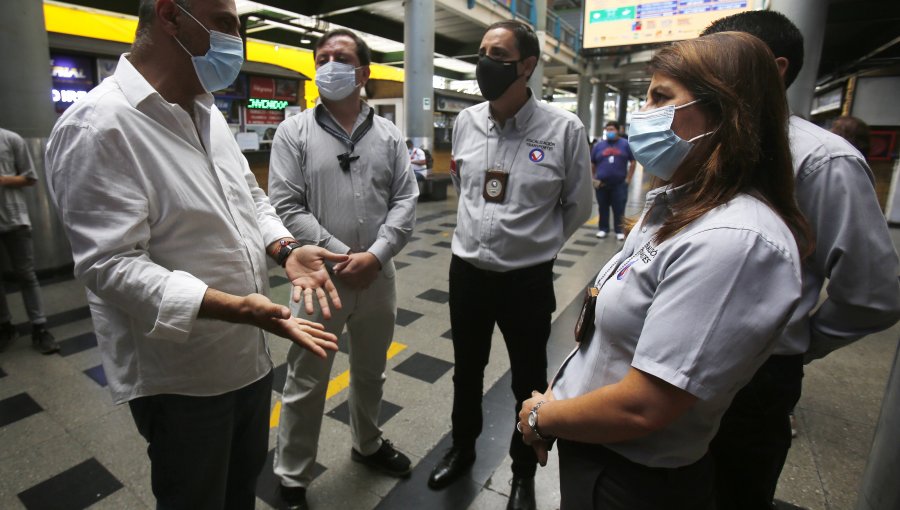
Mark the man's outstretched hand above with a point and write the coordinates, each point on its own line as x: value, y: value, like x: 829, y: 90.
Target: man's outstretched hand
x: 305, y: 267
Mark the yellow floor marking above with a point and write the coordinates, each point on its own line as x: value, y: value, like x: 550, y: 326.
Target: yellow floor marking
x: 445, y: 234
x: 593, y: 221
x: 335, y: 385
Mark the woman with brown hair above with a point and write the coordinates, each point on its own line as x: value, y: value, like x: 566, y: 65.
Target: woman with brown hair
x: 690, y: 308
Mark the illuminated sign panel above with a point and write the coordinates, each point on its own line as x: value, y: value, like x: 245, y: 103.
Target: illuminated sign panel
x: 609, y: 23
x: 72, y: 77
x: 266, y: 104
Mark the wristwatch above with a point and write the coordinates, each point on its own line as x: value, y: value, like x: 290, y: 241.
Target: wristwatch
x: 285, y: 251
x: 533, y: 421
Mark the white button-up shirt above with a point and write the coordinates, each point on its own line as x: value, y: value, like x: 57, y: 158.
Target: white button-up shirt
x: 157, y: 206
x: 548, y: 194
x: 701, y: 311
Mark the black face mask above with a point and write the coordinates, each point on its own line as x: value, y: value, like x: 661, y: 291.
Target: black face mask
x: 495, y: 76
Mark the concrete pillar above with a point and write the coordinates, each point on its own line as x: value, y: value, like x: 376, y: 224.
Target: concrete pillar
x: 809, y: 16
x: 878, y: 490
x: 584, y: 98
x: 27, y: 109
x: 598, y: 97
x: 622, y: 113
x: 539, y: 20
x: 418, y: 65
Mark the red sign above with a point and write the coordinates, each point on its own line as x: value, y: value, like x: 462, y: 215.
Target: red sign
x: 263, y: 88
x: 271, y: 117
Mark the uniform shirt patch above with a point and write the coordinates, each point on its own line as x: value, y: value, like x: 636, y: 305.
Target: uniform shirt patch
x: 536, y: 155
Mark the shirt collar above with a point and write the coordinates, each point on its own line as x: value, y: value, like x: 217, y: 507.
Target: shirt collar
x: 363, y: 113
x: 520, y: 119
x: 137, y: 89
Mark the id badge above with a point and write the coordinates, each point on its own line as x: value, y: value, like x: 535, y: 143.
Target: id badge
x: 612, y: 159
x: 495, y: 185
x: 584, y: 326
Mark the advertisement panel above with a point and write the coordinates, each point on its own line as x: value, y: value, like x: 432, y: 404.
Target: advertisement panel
x: 610, y: 23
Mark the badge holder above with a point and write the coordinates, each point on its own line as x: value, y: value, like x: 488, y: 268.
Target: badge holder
x: 584, y: 326
x: 495, y: 181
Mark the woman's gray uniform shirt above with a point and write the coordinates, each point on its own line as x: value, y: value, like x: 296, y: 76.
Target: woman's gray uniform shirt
x: 701, y: 311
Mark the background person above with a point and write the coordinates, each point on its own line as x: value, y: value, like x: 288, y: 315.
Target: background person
x: 17, y: 173
x: 339, y: 178
x: 694, y: 302
x: 417, y: 161
x: 613, y: 166
x: 853, y: 252
x: 855, y: 131
x: 522, y: 176
x: 169, y: 233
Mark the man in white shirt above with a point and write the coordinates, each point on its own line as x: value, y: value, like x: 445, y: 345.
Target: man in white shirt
x: 417, y: 161
x: 169, y: 233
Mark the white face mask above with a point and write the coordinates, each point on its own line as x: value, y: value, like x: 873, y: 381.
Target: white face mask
x: 653, y: 143
x: 336, y: 80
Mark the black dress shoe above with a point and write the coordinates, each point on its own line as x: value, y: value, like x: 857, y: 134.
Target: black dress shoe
x: 295, y: 497
x: 521, y: 495
x: 455, y: 462
x: 386, y: 459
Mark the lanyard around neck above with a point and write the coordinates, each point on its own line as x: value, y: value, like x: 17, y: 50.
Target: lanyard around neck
x: 358, y: 134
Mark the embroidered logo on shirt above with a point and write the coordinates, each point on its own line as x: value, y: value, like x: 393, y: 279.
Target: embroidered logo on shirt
x: 625, y: 268
x: 536, y: 155
x: 543, y: 144
x: 647, y: 252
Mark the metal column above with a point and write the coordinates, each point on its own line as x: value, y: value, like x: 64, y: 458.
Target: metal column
x: 878, y: 490
x: 623, y: 107
x: 810, y: 17
x: 599, y: 97
x: 418, y: 65
x: 27, y: 109
x: 539, y: 20
x: 584, y: 98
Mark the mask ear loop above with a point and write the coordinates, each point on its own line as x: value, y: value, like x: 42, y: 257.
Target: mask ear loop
x: 701, y: 136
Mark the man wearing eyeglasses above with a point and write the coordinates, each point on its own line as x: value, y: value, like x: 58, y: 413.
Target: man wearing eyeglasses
x: 339, y: 177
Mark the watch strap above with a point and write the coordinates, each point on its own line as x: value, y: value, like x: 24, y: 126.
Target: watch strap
x: 285, y: 252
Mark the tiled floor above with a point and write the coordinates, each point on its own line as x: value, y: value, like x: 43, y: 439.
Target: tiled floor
x: 64, y: 445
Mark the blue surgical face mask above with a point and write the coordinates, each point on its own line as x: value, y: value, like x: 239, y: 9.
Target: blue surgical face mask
x: 336, y: 80
x: 610, y: 135
x: 654, y: 145
x: 222, y: 63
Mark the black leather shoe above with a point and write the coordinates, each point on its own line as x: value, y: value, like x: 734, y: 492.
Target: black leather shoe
x: 455, y: 462
x: 387, y: 460
x: 521, y: 495
x: 295, y: 497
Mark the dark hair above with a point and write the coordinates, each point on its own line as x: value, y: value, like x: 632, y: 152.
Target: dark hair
x: 526, y: 40
x: 614, y: 124
x: 735, y: 80
x: 363, y: 53
x: 147, y: 11
x: 774, y: 29
x: 854, y: 131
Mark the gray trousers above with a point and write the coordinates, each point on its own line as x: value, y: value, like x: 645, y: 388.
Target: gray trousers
x: 369, y: 316
x: 20, y: 251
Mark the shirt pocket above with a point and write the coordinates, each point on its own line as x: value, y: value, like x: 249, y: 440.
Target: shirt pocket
x: 536, y: 184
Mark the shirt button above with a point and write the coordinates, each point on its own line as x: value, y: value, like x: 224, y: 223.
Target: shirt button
x: 357, y: 195
x: 644, y: 230
x: 360, y: 220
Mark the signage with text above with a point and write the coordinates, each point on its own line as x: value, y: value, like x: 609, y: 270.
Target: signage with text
x: 72, y: 77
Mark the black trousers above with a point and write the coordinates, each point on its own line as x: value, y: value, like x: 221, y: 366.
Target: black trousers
x: 752, y: 443
x: 206, y: 452
x: 520, y: 302
x: 592, y: 477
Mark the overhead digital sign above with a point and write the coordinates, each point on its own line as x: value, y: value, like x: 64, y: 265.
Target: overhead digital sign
x: 610, y: 23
